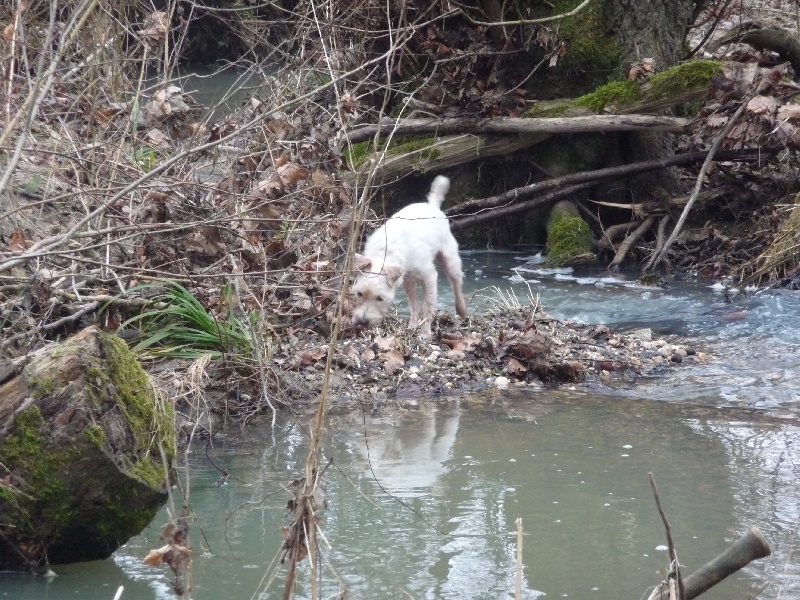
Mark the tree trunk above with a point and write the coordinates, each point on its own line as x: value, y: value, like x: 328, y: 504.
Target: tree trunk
x: 81, y: 436
x: 650, y: 29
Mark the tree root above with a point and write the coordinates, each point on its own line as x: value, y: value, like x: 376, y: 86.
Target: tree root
x: 626, y: 245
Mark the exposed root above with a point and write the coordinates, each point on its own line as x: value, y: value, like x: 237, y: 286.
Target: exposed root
x: 625, y: 246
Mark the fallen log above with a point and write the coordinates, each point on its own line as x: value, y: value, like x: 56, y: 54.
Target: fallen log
x: 81, y: 436
x: 514, y: 125
x: 506, y: 204
x: 439, y: 154
x: 751, y: 546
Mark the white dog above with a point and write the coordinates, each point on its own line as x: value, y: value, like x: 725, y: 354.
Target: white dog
x: 404, y: 249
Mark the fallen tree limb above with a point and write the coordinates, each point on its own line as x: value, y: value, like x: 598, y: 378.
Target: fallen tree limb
x: 502, y: 211
x: 585, y: 180
x: 513, y: 125
x: 612, y: 232
x: 441, y: 154
x: 662, y: 227
x: 751, y: 546
x: 626, y: 245
x: 779, y: 41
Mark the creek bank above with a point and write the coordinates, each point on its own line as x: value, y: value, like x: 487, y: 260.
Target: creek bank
x: 521, y: 346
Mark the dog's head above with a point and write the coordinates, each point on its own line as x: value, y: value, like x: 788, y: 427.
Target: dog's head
x: 373, y: 291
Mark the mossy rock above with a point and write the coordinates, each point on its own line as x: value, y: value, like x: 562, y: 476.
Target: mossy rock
x: 569, y: 238
x: 81, y: 442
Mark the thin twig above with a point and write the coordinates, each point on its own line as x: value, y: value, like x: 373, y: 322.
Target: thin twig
x: 673, y: 556
x: 558, y: 17
x: 700, y: 178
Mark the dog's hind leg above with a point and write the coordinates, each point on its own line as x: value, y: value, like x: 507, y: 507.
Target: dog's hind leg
x: 450, y: 262
x: 410, y: 286
x: 428, y: 303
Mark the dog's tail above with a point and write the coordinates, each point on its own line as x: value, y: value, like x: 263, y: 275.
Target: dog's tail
x: 439, y: 189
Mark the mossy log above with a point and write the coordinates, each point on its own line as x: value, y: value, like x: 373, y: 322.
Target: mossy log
x: 432, y: 154
x: 512, y: 125
x: 569, y: 239
x: 81, y: 468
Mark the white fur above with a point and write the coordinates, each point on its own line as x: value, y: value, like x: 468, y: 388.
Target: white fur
x: 404, y: 250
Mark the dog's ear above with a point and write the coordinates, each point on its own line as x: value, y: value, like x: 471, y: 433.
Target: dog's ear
x: 361, y: 262
x: 392, y: 274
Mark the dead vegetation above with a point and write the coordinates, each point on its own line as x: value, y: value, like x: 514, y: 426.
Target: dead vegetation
x: 115, y: 188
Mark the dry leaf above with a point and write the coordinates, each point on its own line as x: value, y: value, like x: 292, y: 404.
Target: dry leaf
x: 309, y: 357
x: 385, y: 343
x: 18, y: 241
x: 789, y: 112
x: 762, y: 105
x: 717, y: 120
x: 515, y: 367
x: 155, y: 28
x: 155, y: 557
x: 393, y: 361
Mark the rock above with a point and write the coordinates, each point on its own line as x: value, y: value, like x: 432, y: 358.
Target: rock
x: 501, y: 382
x: 80, y: 438
x: 676, y: 358
x: 645, y: 334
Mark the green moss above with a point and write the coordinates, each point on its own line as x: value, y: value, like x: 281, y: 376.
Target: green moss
x: 555, y: 108
x: 96, y: 435
x: 42, y: 386
x: 356, y: 154
x: 670, y: 83
x: 568, y: 238
x: 680, y: 78
x: 401, y: 144
x: 590, y: 47
x: 119, y: 513
x: 26, y: 450
x: 150, y: 472
x: 25, y: 440
x: 614, y: 93
x: 152, y: 424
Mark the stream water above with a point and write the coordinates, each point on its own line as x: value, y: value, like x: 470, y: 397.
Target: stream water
x: 423, y: 497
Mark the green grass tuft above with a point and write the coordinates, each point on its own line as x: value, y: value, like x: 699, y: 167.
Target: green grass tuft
x: 183, y: 328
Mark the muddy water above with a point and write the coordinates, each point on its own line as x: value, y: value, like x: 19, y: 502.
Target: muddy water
x: 423, y: 497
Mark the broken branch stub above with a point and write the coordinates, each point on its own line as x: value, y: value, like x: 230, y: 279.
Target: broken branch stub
x: 751, y: 546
